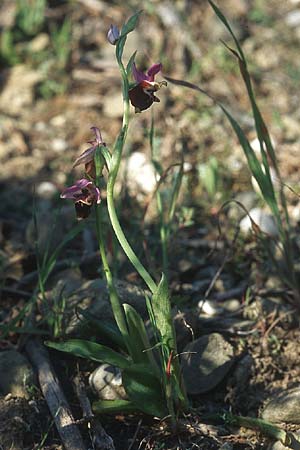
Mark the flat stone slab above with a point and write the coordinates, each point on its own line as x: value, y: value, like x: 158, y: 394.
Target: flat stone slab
x: 205, y: 362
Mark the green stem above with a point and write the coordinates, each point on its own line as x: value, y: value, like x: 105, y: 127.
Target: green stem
x: 115, y: 164
x: 113, y: 295
x: 126, y: 246
x: 261, y: 425
x: 170, y: 405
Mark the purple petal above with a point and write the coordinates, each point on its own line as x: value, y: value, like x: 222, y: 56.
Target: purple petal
x: 73, y: 191
x: 138, y: 74
x: 86, y: 157
x: 98, y: 136
x: 154, y: 69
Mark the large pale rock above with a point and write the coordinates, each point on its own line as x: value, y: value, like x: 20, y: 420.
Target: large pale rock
x: 205, y: 362
x: 93, y: 297
x: 140, y: 174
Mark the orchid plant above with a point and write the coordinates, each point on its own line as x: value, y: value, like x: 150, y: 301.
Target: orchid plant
x: 150, y: 370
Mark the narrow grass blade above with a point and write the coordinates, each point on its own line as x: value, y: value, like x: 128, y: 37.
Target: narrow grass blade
x: 177, y: 182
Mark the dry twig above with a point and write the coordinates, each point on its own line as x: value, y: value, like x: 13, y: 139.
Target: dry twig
x: 54, y: 396
x: 100, y: 439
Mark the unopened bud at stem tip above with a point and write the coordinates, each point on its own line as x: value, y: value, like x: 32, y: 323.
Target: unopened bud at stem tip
x: 113, y: 34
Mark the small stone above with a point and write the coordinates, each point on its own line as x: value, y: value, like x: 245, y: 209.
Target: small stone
x: 46, y: 190
x: 40, y: 126
x: 265, y: 222
x: 209, y: 307
x: 232, y: 305
x: 284, y: 407
x: 205, y: 362
x: 292, y: 19
x: 58, y: 121
x: 59, y: 145
x: 106, y: 383
x: 141, y: 174
x: 291, y: 127
x: 16, y: 374
x: 39, y: 43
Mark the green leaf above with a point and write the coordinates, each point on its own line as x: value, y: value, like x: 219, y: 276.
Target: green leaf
x: 177, y: 181
x: 138, y: 338
x: 129, y: 65
x: 263, y: 181
x: 225, y: 22
x: 113, y: 406
x: 91, y: 350
x: 127, y: 28
x: 130, y: 24
x: 144, y: 389
x: 106, y: 156
x: 161, y: 306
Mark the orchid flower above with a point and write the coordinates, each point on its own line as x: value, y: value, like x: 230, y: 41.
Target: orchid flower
x: 87, y: 157
x: 142, y: 94
x: 84, y: 194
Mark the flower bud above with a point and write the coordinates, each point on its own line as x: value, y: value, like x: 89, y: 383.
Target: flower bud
x: 113, y: 34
